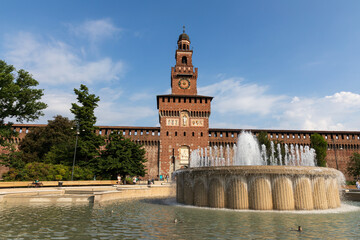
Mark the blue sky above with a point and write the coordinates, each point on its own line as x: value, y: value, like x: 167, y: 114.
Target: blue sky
x: 268, y: 64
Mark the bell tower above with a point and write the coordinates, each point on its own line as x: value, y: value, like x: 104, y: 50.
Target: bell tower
x: 183, y: 114
x: 183, y: 76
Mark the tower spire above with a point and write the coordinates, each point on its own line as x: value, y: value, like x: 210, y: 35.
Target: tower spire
x: 184, y: 29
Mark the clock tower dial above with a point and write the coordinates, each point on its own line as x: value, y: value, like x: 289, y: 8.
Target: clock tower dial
x: 184, y: 83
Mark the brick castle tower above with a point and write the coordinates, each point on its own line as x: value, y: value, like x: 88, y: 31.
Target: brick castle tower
x: 183, y: 115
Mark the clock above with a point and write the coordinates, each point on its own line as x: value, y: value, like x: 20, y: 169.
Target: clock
x: 184, y: 83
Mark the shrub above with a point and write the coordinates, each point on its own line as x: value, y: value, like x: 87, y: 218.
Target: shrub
x: 47, y: 172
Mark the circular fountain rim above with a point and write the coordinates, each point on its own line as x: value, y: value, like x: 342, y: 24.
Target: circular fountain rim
x: 265, y: 169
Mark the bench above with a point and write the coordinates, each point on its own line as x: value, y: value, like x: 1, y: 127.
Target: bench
x: 35, y: 184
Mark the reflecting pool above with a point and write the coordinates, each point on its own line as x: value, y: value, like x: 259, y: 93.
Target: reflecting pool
x: 154, y: 219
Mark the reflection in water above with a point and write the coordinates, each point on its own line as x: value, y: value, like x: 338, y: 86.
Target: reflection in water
x: 154, y: 219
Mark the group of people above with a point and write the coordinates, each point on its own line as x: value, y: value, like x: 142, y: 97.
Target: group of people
x: 150, y: 181
x: 162, y: 178
x: 358, y: 184
x: 134, y: 179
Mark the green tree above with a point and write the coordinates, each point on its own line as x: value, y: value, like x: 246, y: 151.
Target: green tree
x: 318, y: 143
x: 53, y: 143
x: 122, y: 156
x: 353, y: 167
x: 263, y: 139
x: 19, y: 99
x: 89, y: 142
x: 46, y: 172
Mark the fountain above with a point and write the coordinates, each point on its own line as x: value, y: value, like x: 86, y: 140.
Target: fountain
x: 246, y: 178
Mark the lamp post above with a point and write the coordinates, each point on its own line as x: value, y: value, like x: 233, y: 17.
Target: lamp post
x: 76, y: 141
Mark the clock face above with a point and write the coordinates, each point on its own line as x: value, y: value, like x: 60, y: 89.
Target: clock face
x: 184, y: 83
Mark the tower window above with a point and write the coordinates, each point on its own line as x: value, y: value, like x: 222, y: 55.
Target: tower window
x: 193, y: 134
x: 184, y: 60
x: 167, y: 133
x: 184, y: 134
x: 175, y: 134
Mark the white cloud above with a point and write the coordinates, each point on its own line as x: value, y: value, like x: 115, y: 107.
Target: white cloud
x: 109, y: 94
x: 348, y: 98
x: 95, y: 30
x: 54, y: 62
x: 339, y: 111
x: 235, y: 100
x: 109, y: 113
x: 232, y: 95
x: 59, y: 103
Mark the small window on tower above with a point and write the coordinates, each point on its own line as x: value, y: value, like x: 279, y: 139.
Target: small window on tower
x: 184, y: 60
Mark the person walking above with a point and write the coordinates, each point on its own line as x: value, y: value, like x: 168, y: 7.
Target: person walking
x: 119, y: 179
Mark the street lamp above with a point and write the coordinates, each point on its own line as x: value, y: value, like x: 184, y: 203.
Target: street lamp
x: 76, y: 141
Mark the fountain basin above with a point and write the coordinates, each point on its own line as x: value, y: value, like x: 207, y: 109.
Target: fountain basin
x: 260, y: 187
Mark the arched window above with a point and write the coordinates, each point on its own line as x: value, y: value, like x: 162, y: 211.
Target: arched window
x: 184, y: 60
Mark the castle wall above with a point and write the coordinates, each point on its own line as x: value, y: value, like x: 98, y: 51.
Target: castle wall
x: 341, y: 144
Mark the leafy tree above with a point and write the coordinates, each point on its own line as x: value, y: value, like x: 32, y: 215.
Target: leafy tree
x: 53, y: 143
x: 46, y: 172
x: 123, y: 157
x: 318, y: 143
x: 89, y: 143
x: 353, y: 167
x: 11, y: 157
x: 20, y: 100
x: 263, y: 139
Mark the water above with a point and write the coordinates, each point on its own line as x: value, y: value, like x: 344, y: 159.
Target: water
x: 154, y: 219
x: 248, y: 152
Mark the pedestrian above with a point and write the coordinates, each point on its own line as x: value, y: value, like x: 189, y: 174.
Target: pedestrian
x: 134, y: 180
x: 119, y: 179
